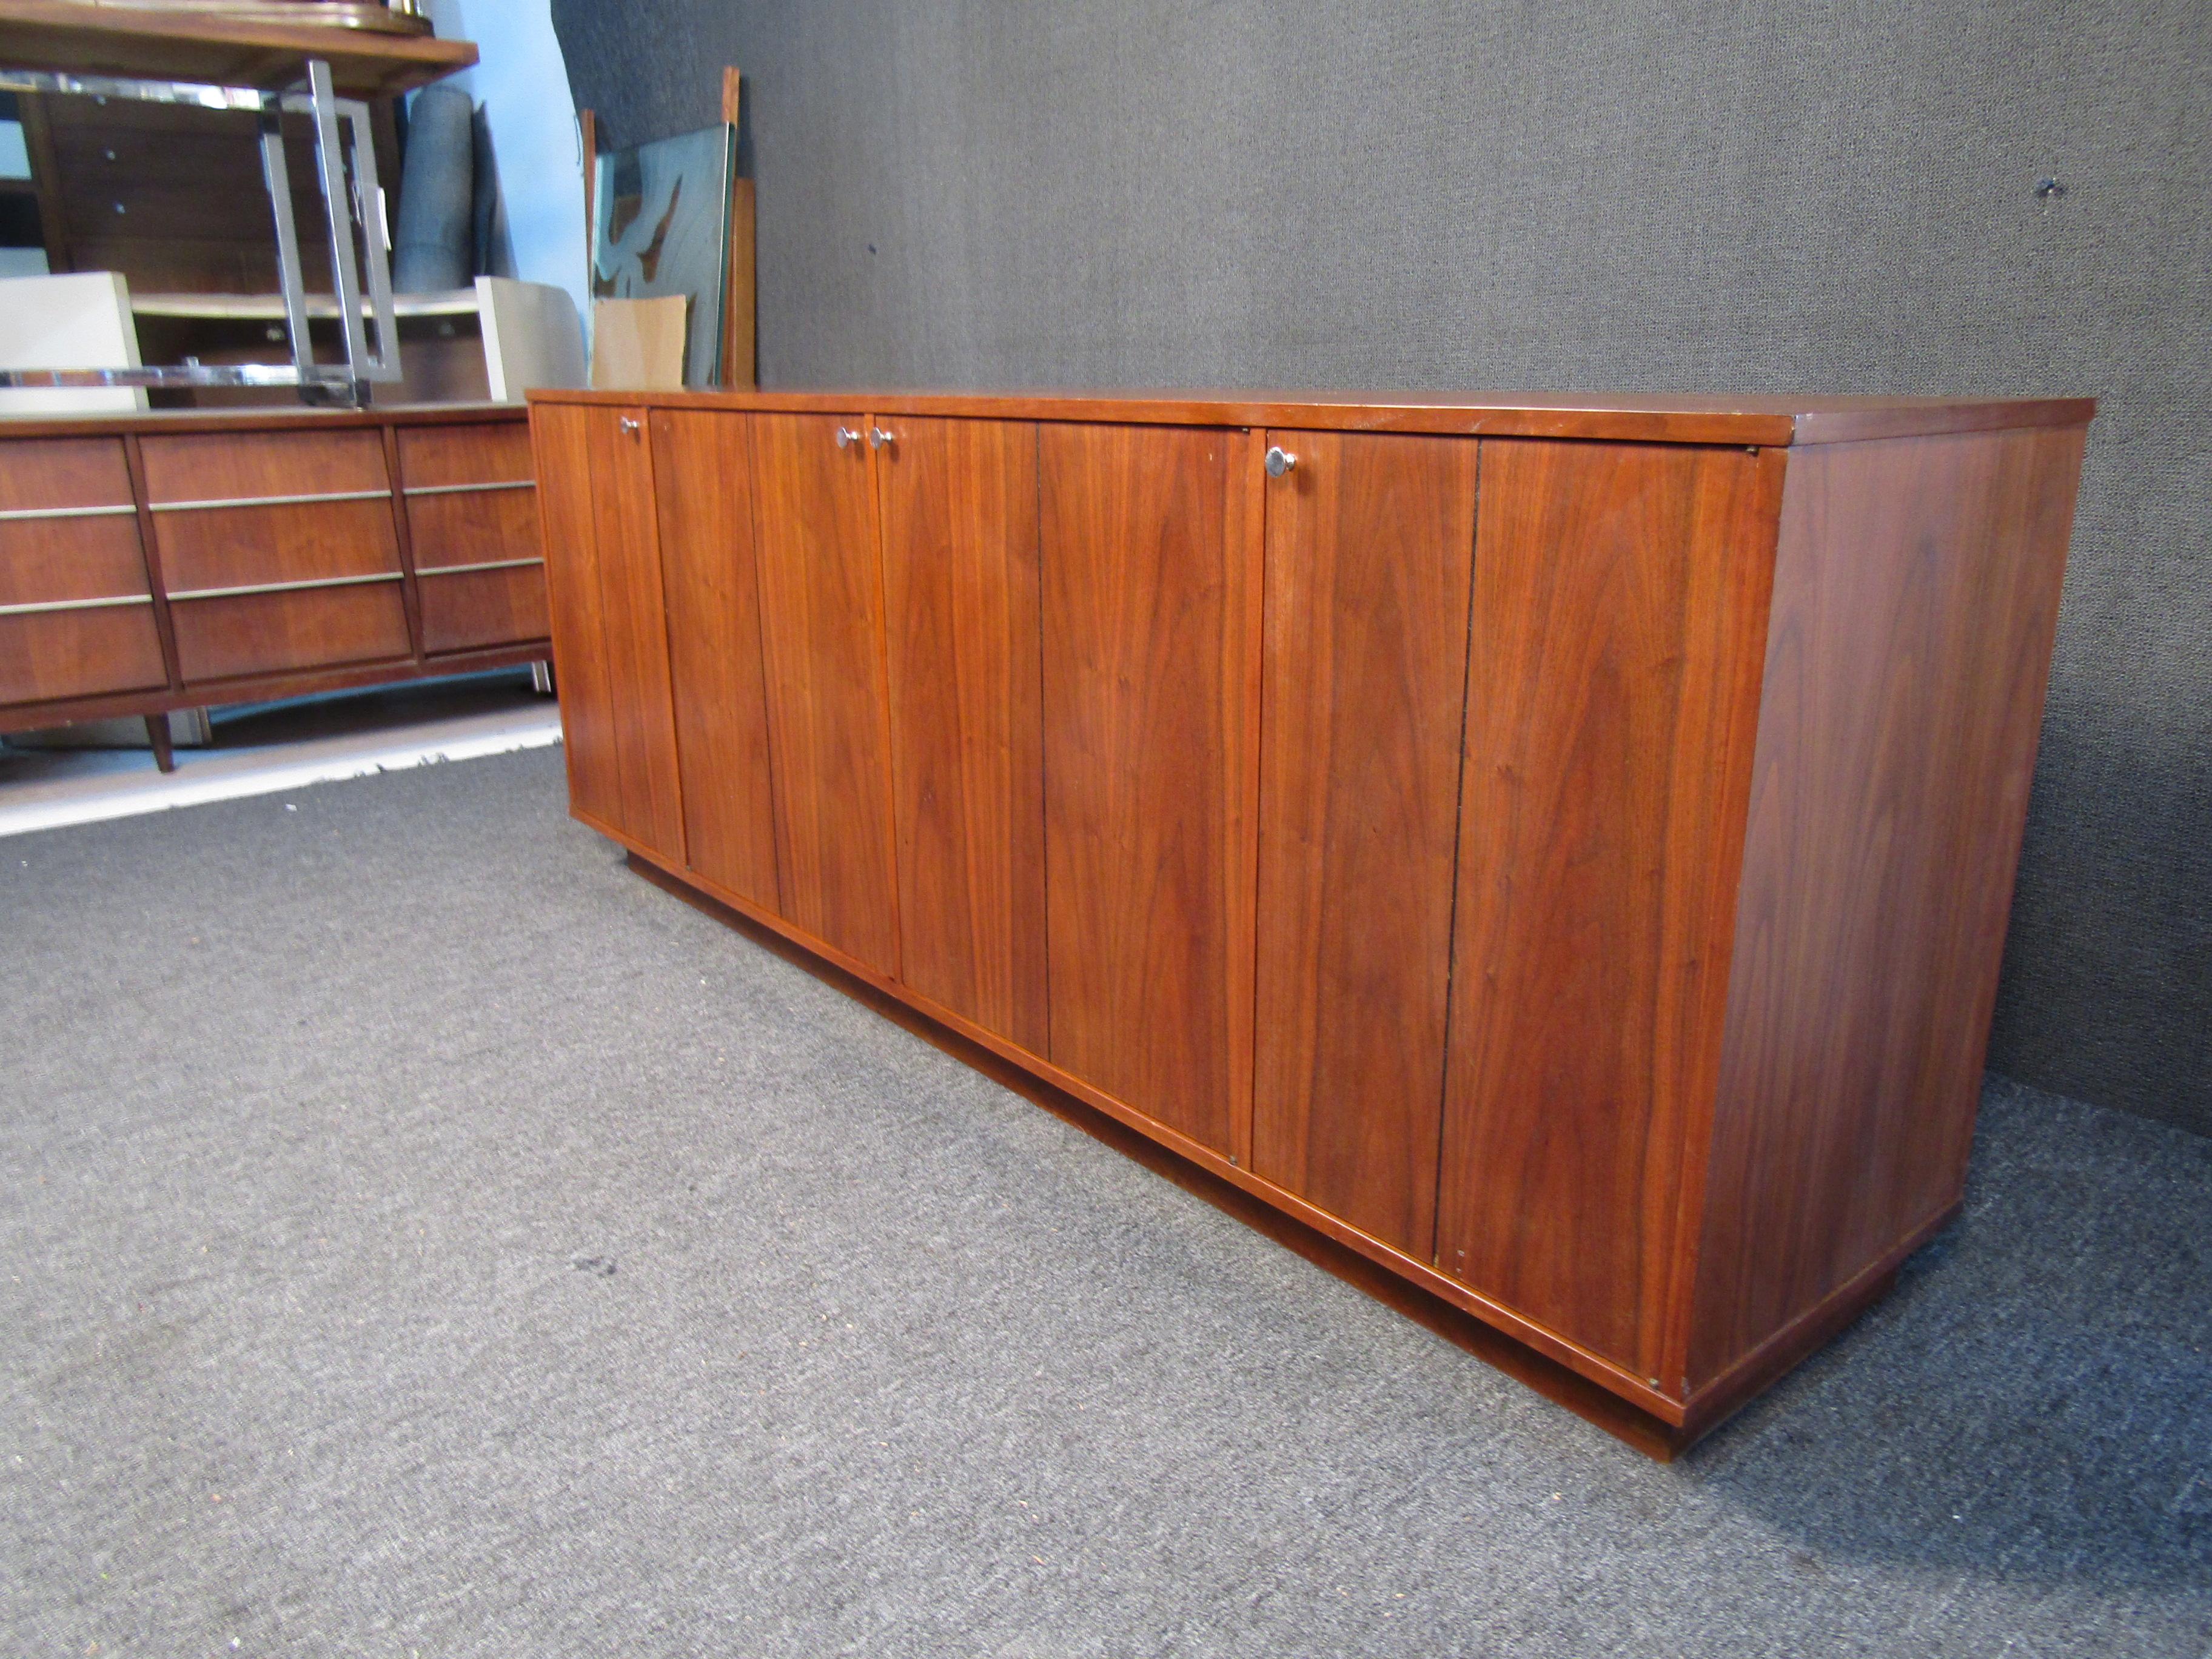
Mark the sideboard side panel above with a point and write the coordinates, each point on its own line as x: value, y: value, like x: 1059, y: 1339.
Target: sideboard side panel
x: 1916, y: 597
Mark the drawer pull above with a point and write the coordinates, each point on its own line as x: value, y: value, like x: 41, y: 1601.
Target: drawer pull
x: 45, y: 606
x: 23, y: 514
x: 273, y: 501
x: 463, y: 490
x: 422, y: 571
x: 1279, y: 461
x: 282, y: 588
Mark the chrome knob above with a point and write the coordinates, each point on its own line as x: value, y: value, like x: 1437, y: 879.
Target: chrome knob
x: 877, y: 438
x: 629, y: 424
x: 846, y: 437
x: 1279, y: 461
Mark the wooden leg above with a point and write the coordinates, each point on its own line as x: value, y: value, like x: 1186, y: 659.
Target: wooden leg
x: 157, y: 734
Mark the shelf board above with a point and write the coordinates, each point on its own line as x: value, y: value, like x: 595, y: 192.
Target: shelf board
x: 270, y: 308
x: 75, y: 39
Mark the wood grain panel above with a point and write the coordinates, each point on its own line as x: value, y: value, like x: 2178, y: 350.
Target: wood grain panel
x: 488, y: 451
x: 223, y: 466
x: 633, y: 613
x: 465, y: 610
x: 43, y: 473
x: 562, y: 438
x: 822, y: 636
x: 265, y: 633
x: 473, y: 526
x: 79, y: 654
x: 1147, y: 592
x: 1916, y: 595
x: 42, y: 560
x: 237, y: 546
x: 960, y: 581
x: 1370, y: 548
x: 1620, y: 608
x: 703, y: 465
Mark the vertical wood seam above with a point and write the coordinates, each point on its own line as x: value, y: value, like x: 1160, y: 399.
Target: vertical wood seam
x: 882, y: 612
x: 411, y: 595
x: 164, y: 631
x: 771, y: 699
x: 1044, y: 729
x: 664, y: 715
x: 1459, y: 817
x: 1246, y: 715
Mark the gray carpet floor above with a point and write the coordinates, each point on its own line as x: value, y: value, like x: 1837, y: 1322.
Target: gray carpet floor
x: 422, y: 1236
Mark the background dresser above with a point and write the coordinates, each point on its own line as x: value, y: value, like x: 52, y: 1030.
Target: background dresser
x: 159, y: 561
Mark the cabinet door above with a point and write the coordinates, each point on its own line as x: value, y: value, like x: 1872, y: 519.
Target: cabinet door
x: 702, y: 465
x: 959, y: 508
x: 821, y: 630
x: 1618, y: 643
x: 1149, y: 585
x: 1371, y: 543
x: 610, y: 644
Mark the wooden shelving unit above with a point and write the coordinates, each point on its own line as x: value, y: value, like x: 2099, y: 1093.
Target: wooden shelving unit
x: 119, y: 40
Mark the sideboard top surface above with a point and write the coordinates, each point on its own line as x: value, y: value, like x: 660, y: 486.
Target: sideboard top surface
x: 1764, y: 419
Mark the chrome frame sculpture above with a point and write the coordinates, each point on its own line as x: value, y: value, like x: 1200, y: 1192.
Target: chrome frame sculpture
x: 345, y: 157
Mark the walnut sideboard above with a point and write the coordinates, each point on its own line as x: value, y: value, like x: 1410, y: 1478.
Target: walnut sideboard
x: 169, y: 559
x: 1557, y: 850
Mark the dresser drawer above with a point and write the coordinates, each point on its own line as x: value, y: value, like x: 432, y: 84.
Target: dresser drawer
x: 465, y: 610
x: 221, y: 636
x: 269, y: 508
x: 474, y: 528
x: 76, y: 615
x: 83, y: 648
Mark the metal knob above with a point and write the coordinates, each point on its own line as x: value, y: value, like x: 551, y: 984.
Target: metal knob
x: 877, y: 438
x: 846, y: 437
x: 1279, y: 461
x: 630, y: 424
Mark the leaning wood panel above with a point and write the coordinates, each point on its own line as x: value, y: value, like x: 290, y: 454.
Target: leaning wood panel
x: 822, y: 629
x: 703, y: 462
x: 1371, y: 546
x: 1619, y: 604
x: 1914, y: 600
x: 562, y: 438
x: 1146, y: 626
x: 633, y: 611
x: 959, y: 520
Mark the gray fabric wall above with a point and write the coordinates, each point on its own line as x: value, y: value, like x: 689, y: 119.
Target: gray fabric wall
x: 1601, y: 194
